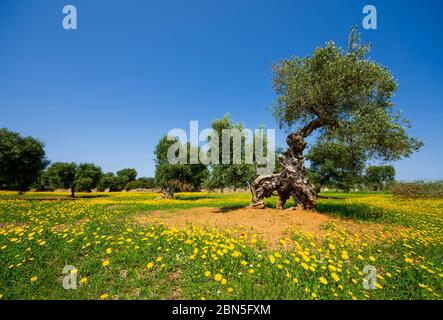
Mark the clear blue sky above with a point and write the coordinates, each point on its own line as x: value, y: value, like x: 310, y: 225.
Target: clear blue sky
x: 133, y: 70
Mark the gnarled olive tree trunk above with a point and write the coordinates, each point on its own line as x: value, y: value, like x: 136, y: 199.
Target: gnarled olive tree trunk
x: 293, y: 181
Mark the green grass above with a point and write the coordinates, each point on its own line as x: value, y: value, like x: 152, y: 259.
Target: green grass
x: 40, y: 233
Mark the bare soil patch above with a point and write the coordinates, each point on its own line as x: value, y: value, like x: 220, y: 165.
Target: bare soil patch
x: 269, y: 223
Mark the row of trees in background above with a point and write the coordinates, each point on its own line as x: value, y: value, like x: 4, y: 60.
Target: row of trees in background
x: 338, y: 166
x: 85, y: 177
x: 24, y: 166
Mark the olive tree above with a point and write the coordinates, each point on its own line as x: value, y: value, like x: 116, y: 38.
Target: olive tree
x: 83, y: 177
x: 344, y: 96
x: 62, y: 175
x: 224, y: 175
x: 379, y: 177
x: 335, y: 165
x: 175, y: 177
x: 22, y: 159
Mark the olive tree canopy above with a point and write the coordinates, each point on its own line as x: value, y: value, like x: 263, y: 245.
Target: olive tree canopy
x: 345, y: 96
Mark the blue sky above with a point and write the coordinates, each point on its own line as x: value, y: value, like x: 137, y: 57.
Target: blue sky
x: 133, y: 70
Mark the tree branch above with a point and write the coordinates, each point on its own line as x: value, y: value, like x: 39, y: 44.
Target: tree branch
x: 310, y: 127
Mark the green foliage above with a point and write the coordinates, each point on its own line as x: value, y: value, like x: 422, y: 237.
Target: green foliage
x: 43, y: 183
x: 107, y: 181
x: 379, y: 177
x: 83, y: 177
x: 87, y: 177
x: 178, y: 176
x: 89, y: 231
x: 355, y: 211
x: 418, y: 189
x: 22, y: 159
x: 148, y: 182
x: 124, y: 179
x: 141, y: 183
x: 229, y: 175
x: 121, y: 179
x: 127, y: 174
x: 61, y: 175
x: 335, y: 165
x: 345, y: 94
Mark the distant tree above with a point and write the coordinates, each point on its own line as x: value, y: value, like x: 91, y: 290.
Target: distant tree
x: 107, y: 181
x: 141, y: 183
x: 278, y: 165
x: 174, y: 177
x: 22, y: 159
x: 147, y: 182
x: 229, y: 175
x: 123, y: 177
x: 87, y: 177
x: 335, y: 165
x: 346, y: 97
x: 83, y: 177
x: 379, y: 177
x: 128, y: 173
x: 62, y: 175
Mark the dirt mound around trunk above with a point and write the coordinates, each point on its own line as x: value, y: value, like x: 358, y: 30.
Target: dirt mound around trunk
x: 269, y: 223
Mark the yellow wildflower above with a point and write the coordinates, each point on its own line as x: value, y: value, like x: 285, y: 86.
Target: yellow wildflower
x: 104, y: 296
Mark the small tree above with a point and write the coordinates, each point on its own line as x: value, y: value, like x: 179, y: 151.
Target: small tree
x: 335, y: 165
x: 87, y: 177
x: 141, y: 183
x: 43, y: 182
x: 62, y: 175
x: 346, y: 97
x: 128, y: 173
x: 21, y: 160
x: 83, y: 177
x: 379, y: 177
x: 123, y: 177
x: 107, y: 181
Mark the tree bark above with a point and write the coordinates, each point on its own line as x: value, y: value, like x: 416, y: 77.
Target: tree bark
x: 293, y: 181
x: 168, y: 193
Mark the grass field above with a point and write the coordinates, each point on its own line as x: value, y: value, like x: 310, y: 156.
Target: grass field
x: 118, y: 255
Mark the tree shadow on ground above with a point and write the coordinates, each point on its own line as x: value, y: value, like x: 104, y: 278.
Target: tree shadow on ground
x: 193, y: 197
x: 231, y: 208
x: 55, y: 198
x: 354, y: 211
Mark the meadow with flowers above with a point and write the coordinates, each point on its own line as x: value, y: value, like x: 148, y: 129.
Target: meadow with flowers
x: 117, y: 257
